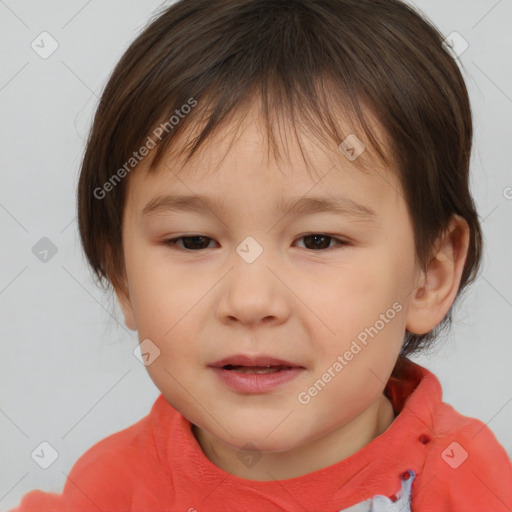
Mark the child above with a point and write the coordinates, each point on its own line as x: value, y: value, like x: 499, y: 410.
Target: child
x: 277, y: 299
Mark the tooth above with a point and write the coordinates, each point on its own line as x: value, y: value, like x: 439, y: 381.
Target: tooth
x: 255, y: 369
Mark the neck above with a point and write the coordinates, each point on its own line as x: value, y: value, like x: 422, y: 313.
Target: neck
x: 322, y: 452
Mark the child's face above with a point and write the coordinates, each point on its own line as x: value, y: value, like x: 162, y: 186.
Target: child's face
x: 294, y: 302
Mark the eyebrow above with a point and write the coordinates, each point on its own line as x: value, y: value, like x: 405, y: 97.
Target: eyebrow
x: 293, y: 205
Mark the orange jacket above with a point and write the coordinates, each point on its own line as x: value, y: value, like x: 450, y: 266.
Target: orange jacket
x: 157, y: 465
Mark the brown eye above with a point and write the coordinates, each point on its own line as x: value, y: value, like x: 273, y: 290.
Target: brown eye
x: 318, y: 241
x: 191, y: 243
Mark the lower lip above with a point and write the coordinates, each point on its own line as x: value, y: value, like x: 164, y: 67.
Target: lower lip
x: 256, y: 382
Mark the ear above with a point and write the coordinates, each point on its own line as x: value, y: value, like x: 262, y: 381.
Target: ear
x: 439, y: 285
x: 123, y: 297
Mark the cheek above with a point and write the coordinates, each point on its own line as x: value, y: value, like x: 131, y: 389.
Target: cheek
x: 163, y: 295
x: 360, y: 290
x: 362, y: 302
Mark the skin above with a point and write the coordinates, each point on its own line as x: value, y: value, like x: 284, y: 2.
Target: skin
x: 295, y: 302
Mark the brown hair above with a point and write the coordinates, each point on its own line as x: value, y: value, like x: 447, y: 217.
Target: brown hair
x: 222, y: 54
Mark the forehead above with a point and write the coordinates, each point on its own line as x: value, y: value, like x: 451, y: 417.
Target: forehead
x: 236, y: 159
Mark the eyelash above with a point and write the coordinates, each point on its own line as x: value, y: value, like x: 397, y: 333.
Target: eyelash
x: 172, y: 242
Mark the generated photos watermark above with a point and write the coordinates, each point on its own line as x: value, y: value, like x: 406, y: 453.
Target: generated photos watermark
x: 361, y: 341
x: 143, y: 151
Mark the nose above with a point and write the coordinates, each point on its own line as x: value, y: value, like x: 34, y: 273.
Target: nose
x: 254, y: 293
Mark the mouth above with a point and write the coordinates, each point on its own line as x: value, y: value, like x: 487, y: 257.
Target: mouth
x: 251, y: 374
x: 255, y: 369
x: 244, y: 363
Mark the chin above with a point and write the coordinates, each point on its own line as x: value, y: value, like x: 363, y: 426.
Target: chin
x: 254, y: 440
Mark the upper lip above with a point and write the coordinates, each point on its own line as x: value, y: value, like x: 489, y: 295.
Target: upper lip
x: 252, y: 360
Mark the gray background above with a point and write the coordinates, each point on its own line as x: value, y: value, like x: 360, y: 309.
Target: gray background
x: 68, y: 374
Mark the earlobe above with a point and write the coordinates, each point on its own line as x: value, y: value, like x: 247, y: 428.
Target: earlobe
x: 439, y: 285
